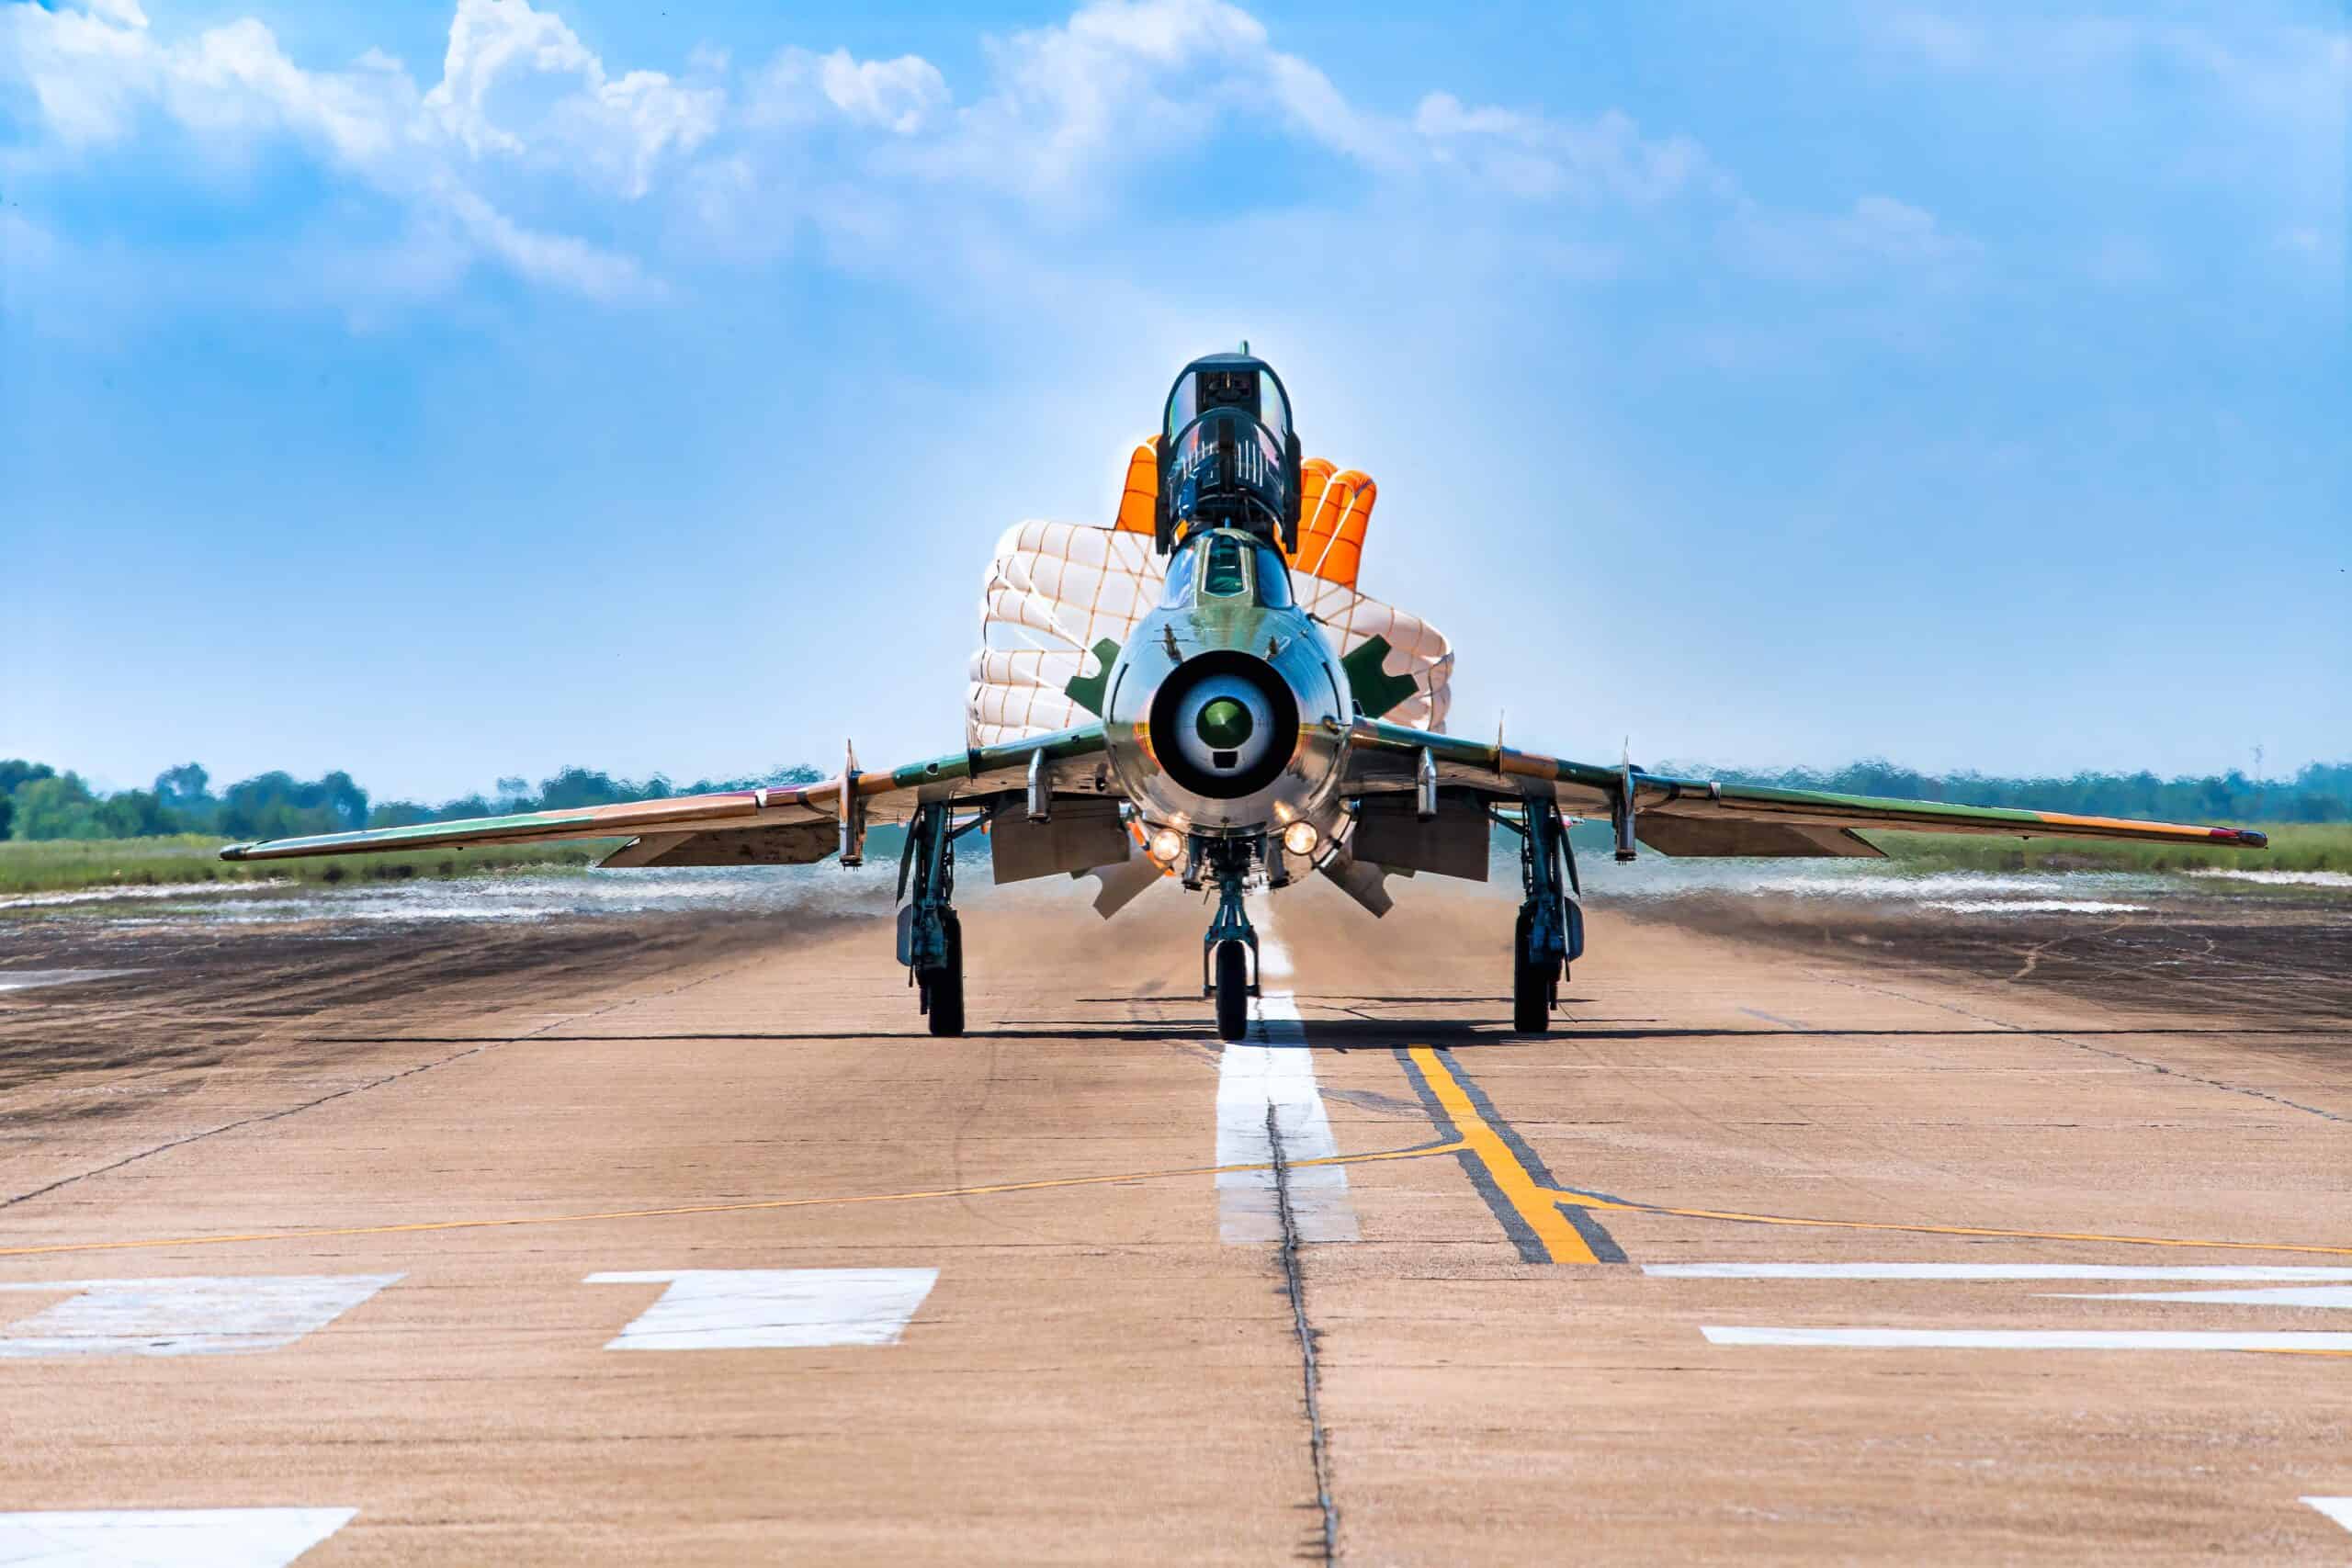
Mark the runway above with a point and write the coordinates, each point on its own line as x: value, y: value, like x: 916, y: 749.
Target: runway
x: 1809, y: 1234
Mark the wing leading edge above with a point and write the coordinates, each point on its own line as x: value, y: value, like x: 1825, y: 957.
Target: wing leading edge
x: 1702, y: 817
x: 785, y: 824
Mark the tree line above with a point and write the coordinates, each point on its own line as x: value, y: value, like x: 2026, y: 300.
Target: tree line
x: 38, y: 802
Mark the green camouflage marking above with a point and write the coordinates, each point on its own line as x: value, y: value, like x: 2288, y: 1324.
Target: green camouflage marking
x: 1088, y: 691
x: 1376, y: 691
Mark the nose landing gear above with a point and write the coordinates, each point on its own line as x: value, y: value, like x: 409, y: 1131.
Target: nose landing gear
x: 1550, y: 930
x: 931, y: 936
x: 1230, y: 969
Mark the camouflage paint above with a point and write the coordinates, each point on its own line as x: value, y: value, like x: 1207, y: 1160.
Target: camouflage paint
x: 1087, y: 691
x: 1378, y: 693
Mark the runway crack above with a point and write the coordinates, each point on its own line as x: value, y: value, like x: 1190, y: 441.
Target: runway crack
x: 1310, y: 1371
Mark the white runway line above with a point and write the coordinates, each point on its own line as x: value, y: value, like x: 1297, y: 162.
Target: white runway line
x: 192, y: 1315
x: 2218, y: 1274
x: 26, y: 979
x: 2336, y: 1508
x: 772, y: 1309
x: 1278, y: 1072
x: 166, y: 1538
x: 2029, y: 1338
x: 1273, y: 958
x: 2281, y: 1296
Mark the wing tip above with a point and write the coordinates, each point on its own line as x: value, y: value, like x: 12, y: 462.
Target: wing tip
x: 237, y: 852
x: 2244, y: 838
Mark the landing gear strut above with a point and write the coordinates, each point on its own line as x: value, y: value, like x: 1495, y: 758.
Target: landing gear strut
x: 1550, y: 930
x: 931, y: 937
x: 1229, y: 952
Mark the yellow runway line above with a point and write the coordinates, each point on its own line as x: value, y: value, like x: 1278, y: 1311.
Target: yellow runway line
x: 1539, y: 1206
x: 1422, y: 1151
x: 1583, y: 1200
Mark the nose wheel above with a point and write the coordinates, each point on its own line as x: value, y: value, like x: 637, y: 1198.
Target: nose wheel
x: 1232, y: 965
x: 1230, y: 952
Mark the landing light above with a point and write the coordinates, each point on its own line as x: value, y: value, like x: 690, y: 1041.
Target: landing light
x: 1166, y: 845
x: 1300, y: 838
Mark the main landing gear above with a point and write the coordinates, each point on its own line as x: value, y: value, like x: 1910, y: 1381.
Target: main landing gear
x: 1550, y: 931
x: 931, y: 937
x: 1229, y: 952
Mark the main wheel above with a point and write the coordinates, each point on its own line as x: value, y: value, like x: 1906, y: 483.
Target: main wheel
x: 1232, y: 991
x: 943, y: 986
x: 1531, y: 985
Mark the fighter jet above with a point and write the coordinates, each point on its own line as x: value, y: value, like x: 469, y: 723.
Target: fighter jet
x: 1229, y: 746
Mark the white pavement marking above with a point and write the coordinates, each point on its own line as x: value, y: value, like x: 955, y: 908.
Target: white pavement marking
x: 25, y: 979
x: 1273, y: 958
x: 191, y: 1315
x: 1277, y: 1075
x: 2028, y: 1338
x: 772, y: 1309
x: 2284, y: 1296
x: 2219, y: 1274
x: 2336, y: 1508
x: 166, y: 1538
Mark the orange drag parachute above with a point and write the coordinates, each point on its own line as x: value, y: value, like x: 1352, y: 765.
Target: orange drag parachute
x: 1062, y: 599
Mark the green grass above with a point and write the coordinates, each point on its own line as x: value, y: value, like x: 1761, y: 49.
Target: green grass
x: 63, y: 864
x: 2322, y: 846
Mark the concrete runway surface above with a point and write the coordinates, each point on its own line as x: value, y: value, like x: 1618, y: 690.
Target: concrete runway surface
x: 1809, y: 1234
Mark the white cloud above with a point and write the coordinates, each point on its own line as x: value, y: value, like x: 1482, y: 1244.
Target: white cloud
x: 528, y: 131
x: 798, y: 88
x: 546, y: 258
x: 519, y: 81
x: 1123, y: 80
x: 235, y: 80
x: 1536, y: 155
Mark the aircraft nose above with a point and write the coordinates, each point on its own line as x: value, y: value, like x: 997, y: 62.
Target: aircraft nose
x: 1223, y: 724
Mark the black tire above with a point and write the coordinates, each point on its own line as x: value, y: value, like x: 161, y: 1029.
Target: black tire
x: 943, y: 986
x: 1530, y: 986
x: 1232, y: 991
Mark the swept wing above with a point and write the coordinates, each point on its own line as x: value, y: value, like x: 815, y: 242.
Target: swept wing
x: 790, y: 824
x: 1701, y: 816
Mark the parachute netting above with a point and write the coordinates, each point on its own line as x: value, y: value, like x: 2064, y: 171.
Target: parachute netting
x: 1059, y: 593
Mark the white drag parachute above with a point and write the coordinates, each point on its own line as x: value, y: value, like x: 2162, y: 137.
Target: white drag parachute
x: 1062, y: 599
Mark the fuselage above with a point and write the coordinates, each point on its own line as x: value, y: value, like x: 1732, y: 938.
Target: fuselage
x: 1227, y: 712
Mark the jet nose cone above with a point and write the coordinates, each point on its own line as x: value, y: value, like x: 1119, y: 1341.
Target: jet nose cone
x: 1224, y: 723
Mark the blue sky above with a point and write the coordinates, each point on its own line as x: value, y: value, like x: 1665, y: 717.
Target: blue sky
x: 443, y: 392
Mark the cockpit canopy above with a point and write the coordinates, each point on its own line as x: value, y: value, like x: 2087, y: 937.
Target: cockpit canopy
x: 1228, y: 457
x: 1222, y: 567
